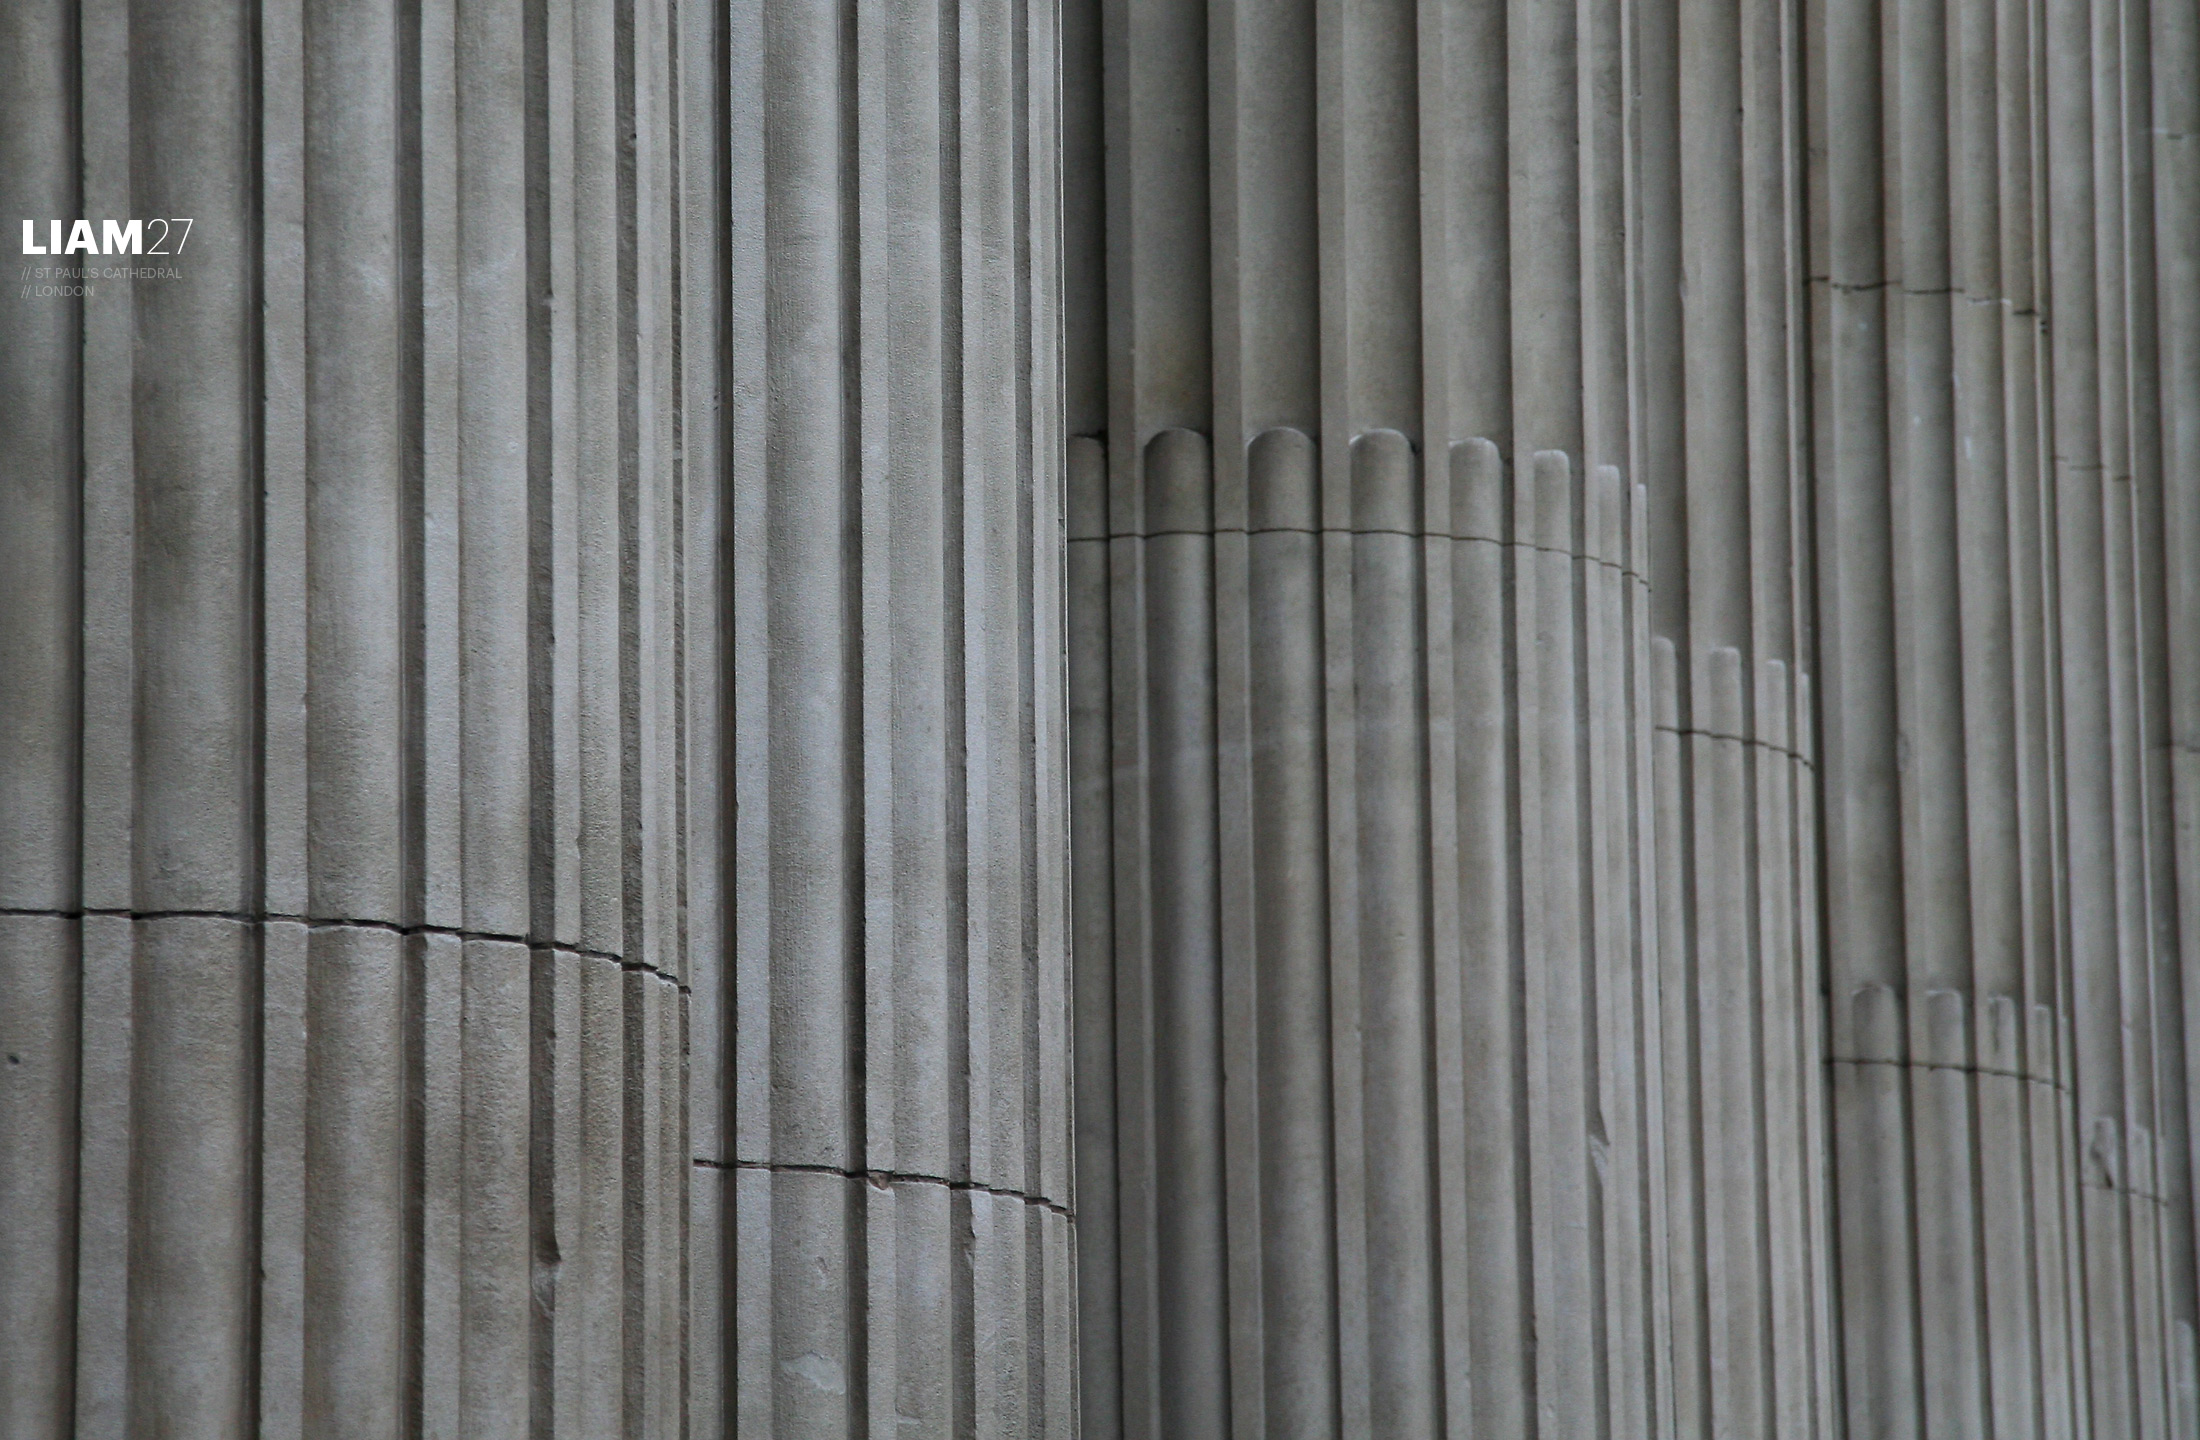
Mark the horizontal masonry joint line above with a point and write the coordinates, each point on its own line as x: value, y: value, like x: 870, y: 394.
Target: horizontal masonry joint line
x: 1899, y: 288
x: 1408, y: 534
x: 881, y: 1179
x: 332, y: 922
x: 2004, y: 301
x: 1737, y: 739
x: 1941, y: 1065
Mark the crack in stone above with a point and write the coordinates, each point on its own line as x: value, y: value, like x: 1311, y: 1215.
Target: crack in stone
x: 883, y: 1179
x: 340, y: 922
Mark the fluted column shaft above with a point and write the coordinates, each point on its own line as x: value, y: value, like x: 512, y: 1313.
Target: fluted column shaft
x: 341, y: 958
x: 1946, y: 990
x: 885, y: 1158
x: 2011, y: 1144
x: 1721, y: 447
x: 2133, y: 1115
x: 1369, y: 1138
x: 2175, y: 91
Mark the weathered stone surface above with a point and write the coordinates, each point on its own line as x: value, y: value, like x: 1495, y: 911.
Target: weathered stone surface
x: 1586, y: 801
x: 1721, y: 450
x: 2011, y: 1141
x: 344, y: 972
x: 887, y: 1154
x: 1368, y: 1093
x: 1885, y: 313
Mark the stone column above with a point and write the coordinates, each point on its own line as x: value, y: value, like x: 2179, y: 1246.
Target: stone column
x: 2175, y: 85
x: 342, y: 958
x: 2008, y: 1090
x: 1721, y: 443
x: 1369, y: 1134
x: 2104, y: 309
x: 888, y: 1159
x: 40, y: 545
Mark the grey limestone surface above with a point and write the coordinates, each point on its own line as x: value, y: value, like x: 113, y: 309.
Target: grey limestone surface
x: 345, y: 899
x: 1334, y: 718
x: 888, y: 1178
x: 1632, y: 687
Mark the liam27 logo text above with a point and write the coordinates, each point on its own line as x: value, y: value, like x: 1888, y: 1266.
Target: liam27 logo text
x: 157, y: 236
